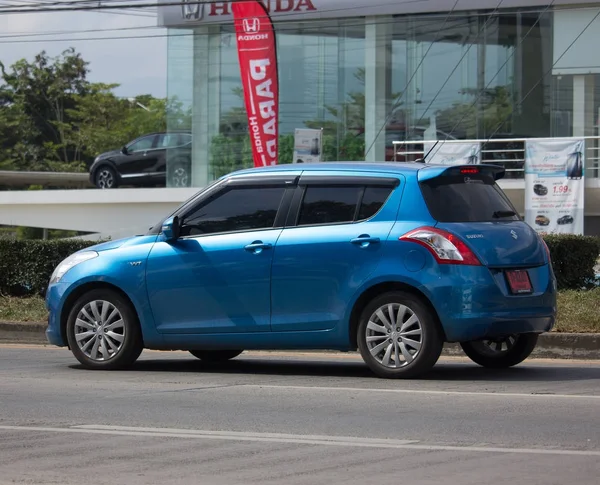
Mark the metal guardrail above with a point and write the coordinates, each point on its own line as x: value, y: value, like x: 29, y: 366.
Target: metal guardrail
x: 45, y: 179
x: 509, y: 152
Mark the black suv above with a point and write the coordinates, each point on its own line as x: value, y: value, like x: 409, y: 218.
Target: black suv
x: 143, y: 162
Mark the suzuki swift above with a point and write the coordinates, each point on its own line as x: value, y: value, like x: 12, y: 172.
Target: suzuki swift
x: 390, y: 259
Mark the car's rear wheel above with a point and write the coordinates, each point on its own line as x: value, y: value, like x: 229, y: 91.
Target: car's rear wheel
x: 179, y: 173
x: 501, y: 352
x: 215, y: 355
x: 399, y: 336
x: 106, y: 178
x: 103, y: 331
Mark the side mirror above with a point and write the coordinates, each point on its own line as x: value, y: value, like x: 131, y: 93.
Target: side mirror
x: 124, y: 150
x: 171, y: 229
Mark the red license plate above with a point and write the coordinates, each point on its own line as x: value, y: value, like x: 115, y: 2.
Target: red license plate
x: 519, y: 282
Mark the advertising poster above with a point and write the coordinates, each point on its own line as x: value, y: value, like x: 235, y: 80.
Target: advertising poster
x: 452, y: 153
x: 554, y: 185
x: 308, y: 145
x: 258, y: 66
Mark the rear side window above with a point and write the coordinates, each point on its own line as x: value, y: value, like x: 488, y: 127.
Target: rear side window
x: 238, y: 209
x: 476, y: 198
x: 340, y: 204
x: 373, y: 200
x: 329, y: 205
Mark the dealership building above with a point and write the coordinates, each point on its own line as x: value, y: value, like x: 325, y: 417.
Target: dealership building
x: 373, y: 72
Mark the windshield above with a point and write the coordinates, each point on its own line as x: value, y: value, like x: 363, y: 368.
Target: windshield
x: 475, y: 198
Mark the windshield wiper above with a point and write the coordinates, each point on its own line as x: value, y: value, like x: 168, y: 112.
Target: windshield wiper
x: 499, y: 214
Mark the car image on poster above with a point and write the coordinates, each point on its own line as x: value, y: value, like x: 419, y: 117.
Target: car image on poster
x: 554, y: 185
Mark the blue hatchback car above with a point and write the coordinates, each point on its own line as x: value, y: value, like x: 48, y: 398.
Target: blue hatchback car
x: 390, y: 259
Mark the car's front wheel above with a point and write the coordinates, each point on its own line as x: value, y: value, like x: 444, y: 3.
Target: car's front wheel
x: 215, y: 355
x: 103, y: 331
x: 106, y: 178
x: 398, y: 336
x: 501, y: 353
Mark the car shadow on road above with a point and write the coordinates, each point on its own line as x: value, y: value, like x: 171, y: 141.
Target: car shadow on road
x: 444, y: 371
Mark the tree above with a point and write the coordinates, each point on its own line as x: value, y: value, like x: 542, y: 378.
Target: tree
x: 479, y: 119
x: 41, y: 93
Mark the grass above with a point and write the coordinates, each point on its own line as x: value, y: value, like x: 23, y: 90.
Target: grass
x: 22, y: 309
x: 578, y: 311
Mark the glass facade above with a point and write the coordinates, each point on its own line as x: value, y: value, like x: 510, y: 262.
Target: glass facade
x: 370, y: 81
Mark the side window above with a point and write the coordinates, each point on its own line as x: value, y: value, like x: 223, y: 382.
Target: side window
x: 141, y: 145
x: 237, y: 209
x: 373, y: 200
x: 184, y: 139
x: 329, y: 205
x: 168, y: 140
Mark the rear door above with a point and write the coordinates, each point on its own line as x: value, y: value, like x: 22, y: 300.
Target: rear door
x: 468, y: 202
x: 338, y: 227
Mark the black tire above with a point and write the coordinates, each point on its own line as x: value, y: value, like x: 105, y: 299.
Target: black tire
x: 215, y: 355
x: 105, y: 177
x: 131, y: 343
x: 482, y: 353
x: 430, y: 339
x: 179, y: 173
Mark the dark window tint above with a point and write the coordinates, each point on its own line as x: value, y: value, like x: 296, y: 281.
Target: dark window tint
x: 142, y: 144
x: 238, y: 209
x: 329, y: 205
x: 373, y: 199
x: 476, y: 198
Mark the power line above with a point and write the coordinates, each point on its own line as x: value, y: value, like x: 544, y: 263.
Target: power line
x: 84, y: 5
x: 545, y: 74
x: 501, y: 67
x: 397, y: 104
x: 481, y: 31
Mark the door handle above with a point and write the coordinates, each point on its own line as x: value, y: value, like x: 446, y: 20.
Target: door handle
x: 364, y: 240
x: 257, y: 247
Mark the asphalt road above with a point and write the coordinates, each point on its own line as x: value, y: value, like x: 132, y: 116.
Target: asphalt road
x: 309, y: 419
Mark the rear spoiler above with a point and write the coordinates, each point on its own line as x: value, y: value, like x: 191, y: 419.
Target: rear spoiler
x: 434, y: 171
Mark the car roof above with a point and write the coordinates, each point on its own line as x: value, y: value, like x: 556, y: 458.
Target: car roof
x: 390, y: 167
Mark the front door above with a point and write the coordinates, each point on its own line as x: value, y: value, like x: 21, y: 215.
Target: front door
x: 139, y: 157
x: 217, y: 277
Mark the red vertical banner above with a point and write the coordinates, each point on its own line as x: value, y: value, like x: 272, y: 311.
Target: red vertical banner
x: 258, y: 66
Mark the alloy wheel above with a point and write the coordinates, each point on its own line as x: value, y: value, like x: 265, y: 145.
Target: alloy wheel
x: 497, y: 346
x: 105, y: 179
x: 99, y: 330
x: 179, y: 177
x: 394, y: 335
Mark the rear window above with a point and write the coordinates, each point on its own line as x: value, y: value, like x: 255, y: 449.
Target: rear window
x: 476, y: 198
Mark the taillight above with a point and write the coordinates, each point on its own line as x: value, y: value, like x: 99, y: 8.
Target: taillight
x: 446, y: 247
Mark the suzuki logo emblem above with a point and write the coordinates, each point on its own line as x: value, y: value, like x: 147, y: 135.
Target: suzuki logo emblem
x: 251, y: 26
x: 192, y: 10
x: 514, y: 235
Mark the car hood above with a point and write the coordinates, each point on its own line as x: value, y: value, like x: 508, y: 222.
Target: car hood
x: 118, y: 243
x: 106, y: 155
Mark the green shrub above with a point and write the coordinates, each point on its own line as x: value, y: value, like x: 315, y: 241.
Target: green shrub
x: 573, y: 259
x: 26, y: 265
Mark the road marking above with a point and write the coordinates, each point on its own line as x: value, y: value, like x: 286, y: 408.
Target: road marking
x: 355, y: 442
x: 423, y: 391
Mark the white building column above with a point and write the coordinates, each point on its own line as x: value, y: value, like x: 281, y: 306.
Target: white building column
x: 583, y: 105
x: 206, y: 100
x: 378, y: 81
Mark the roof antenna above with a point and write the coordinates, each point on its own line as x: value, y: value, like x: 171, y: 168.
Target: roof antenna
x: 424, y: 159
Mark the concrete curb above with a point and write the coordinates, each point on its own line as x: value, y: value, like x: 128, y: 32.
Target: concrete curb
x: 579, y: 346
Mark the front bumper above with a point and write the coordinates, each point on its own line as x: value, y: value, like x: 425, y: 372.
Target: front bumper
x: 54, y: 302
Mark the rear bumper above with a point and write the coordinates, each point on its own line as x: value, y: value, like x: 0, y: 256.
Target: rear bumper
x: 475, y: 303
